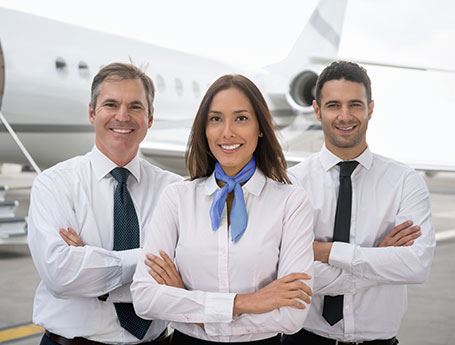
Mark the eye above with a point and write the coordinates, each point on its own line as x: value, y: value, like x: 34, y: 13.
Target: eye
x: 242, y: 118
x: 137, y: 107
x: 332, y: 105
x: 214, y: 118
x: 110, y: 104
x: 357, y: 105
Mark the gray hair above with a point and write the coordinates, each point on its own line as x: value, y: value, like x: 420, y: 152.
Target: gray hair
x: 123, y: 71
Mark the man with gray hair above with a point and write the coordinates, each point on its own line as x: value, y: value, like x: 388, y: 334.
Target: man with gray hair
x: 86, y: 221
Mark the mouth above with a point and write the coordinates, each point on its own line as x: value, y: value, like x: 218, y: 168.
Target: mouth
x: 345, y: 129
x: 229, y: 148
x: 122, y: 130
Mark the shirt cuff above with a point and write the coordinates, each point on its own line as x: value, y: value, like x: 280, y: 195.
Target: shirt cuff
x: 220, y: 306
x: 128, y: 261
x: 342, y: 255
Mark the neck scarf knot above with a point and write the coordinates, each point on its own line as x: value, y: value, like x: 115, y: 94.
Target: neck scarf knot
x: 239, y: 216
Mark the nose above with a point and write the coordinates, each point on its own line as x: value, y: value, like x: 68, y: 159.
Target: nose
x: 345, y: 113
x: 122, y: 113
x: 228, y: 129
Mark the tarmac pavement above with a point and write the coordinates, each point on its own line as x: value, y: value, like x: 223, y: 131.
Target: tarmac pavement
x: 430, y: 319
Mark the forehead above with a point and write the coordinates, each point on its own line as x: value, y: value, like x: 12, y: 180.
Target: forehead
x: 343, y: 90
x: 122, y: 89
x: 231, y: 98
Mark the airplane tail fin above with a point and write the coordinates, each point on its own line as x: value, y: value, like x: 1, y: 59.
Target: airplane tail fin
x: 319, y: 40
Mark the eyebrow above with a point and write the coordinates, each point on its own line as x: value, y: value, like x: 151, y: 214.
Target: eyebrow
x: 136, y: 101
x: 235, y: 112
x: 350, y: 101
x: 332, y: 101
x: 109, y: 100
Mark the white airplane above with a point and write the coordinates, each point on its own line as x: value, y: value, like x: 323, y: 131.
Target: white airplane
x: 46, y: 72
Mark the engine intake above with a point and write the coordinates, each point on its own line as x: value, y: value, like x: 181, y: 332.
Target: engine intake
x: 302, y: 91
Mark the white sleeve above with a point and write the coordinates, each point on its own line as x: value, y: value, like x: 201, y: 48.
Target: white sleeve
x: 70, y: 271
x: 154, y: 301
x: 296, y: 256
x: 333, y: 281
x: 395, y: 265
x: 122, y: 294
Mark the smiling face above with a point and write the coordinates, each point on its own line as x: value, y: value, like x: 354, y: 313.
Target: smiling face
x: 232, y: 130
x: 344, y: 114
x: 120, y: 118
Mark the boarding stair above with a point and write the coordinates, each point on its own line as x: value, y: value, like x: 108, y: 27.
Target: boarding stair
x: 13, y: 229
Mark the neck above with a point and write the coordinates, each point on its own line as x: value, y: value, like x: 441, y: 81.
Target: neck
x: 120, y: 159
x: 347, y: 154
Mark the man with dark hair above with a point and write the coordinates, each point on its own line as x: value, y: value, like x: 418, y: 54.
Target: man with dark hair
x: 86, y: 221
x: 373, y: 226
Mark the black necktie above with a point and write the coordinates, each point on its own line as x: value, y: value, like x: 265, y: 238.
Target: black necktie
x: 333, y: 305
x: 126, y: 236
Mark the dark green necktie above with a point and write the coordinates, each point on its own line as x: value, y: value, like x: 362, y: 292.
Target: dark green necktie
x: 126, y: 236
x: 333, y: 305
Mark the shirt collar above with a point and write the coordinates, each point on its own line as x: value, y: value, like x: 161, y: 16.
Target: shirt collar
x: 329, y: 160
x: 253, y: 186
x: 102, y: 165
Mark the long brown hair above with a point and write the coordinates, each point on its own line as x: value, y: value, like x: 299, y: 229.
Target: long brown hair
x: 269, y: 156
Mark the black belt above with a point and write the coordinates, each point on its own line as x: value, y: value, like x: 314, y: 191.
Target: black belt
x: 180, y: 338
x: 311, y: 338
x: 84, y: 341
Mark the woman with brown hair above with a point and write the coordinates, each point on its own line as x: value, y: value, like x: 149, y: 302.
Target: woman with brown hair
x: 240, y: 235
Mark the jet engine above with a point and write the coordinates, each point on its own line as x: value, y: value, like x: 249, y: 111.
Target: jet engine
x: 302, y: 91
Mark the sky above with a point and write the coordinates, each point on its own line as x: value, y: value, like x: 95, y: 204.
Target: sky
x: 415, y: 111
x: 257, y: 32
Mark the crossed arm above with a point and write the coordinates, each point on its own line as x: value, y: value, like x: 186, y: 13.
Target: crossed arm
x: 70, y: 271
x: 403, y: 256
x: 288, y: 291
x: 403, y: 235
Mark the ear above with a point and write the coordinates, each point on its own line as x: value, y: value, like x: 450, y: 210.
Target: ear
x: 149, y: 121
x: 317, y: 110
x: 91, y: 113
x: 370, y: 109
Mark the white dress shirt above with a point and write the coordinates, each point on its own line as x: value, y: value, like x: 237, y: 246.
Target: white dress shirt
x: 373, y: 280
x: 78, y: 193
x: 277, y: 242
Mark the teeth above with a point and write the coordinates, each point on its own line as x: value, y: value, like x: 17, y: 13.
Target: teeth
x: 230, y: 147
x: 345, y: 128
x: 122, y: 131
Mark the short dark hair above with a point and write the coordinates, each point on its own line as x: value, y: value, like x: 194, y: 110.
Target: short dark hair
x: 269, y: 156
x: 343, y: 70
x: 123, y: 71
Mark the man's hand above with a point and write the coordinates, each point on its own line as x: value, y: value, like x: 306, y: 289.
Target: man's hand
x: 163, y: 270
x: 322, y: 251
x: 71, y: 237
x: 288, y: 291
x: 402, y: 235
